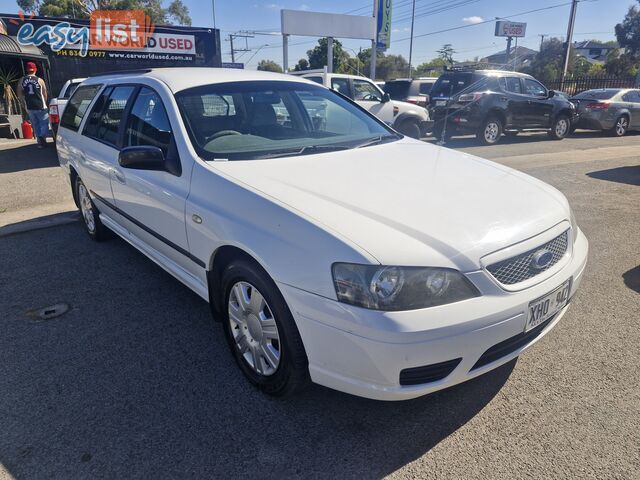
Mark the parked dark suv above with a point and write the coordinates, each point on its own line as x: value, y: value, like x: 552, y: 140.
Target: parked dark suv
x: 489, y: 103
x: 410, y: 90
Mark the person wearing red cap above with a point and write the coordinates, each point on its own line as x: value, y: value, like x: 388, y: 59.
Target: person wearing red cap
x: 33, y: 92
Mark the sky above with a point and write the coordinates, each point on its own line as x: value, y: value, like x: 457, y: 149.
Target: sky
x: 595, y: 20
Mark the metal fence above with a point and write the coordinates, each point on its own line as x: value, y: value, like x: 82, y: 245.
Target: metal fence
x: 573, y: 86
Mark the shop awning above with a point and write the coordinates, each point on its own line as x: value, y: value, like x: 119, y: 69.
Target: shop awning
x: 9, y: 46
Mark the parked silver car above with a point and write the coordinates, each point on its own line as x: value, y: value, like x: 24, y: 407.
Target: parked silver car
x: 615, y: 110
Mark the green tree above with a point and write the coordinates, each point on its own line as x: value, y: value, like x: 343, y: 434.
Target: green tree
x: 628, y: 32
x: 318, y: 55
x: 269, y: 66
x: 548, y: 63
x: 302, y: 64
x: 176, y: 13
x: 621, y: 64
x: 446, y: 53
x: 432, y: 68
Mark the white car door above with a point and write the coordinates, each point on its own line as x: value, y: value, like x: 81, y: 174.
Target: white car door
x: 152, y: 202
x: 369, y: 97
x: 100, y: 145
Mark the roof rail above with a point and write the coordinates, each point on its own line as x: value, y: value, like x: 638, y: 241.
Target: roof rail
x: 122, y: 72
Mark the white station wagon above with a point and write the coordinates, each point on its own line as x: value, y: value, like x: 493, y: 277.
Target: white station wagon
x: 331, y: 248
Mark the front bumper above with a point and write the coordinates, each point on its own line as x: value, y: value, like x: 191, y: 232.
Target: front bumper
x: 362, y: 352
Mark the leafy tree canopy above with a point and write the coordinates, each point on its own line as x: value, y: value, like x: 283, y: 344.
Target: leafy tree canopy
x: 628, y: 32
x: 176, y: 13
x: 269, y: 66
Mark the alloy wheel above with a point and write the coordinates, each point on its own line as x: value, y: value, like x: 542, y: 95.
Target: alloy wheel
x: 254, y: 328
x: 491, y: 132
x: 621, y: 126
x: 86, y: 208
x: 562, y: 127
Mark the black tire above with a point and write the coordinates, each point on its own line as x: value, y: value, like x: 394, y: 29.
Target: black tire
x: 490, y: 132
x: 561, y: 128
x: 621, y: 127
x: 410, y: 128
x: 292, y: 372
x: 90, y: 214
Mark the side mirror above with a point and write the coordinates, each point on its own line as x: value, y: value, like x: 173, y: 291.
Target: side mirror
x: 551, y: 94
x: 385, y: 97
x: 144, y: 157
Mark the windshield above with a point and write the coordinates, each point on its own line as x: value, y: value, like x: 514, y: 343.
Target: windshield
x: 397, y: 90
x: 597, y: 94
x: 451, y: 83
x: 266, y: 119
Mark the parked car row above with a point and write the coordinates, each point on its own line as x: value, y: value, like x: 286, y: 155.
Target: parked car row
x: 492, y: 103
x: 331, y: 248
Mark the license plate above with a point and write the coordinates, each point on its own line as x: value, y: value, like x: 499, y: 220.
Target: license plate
x: 546, y: 307
x: 441, y: 103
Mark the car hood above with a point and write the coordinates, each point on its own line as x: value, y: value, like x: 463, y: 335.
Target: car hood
x: 408, y: 202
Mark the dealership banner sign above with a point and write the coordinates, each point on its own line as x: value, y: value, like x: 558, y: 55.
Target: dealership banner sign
x: 120, y: 34
x: 383, y: 31
x: 510, y: 29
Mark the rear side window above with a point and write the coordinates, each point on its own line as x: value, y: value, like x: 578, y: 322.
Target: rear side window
x: 148, y: 123
x: 511, y: 84
x: 77, y: 106
x: 70, y: 89
x: 341, y: 85
x: 632, y: 96
x: 451, y: 83
x: 110, y: 115
x: 398, y: 90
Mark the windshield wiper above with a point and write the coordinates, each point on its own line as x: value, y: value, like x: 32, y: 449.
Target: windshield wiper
x: 376, y: 140
x: 306, y: 150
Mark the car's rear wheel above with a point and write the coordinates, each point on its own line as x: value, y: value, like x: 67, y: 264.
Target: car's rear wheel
x: 261, y: 331
x: 620, y: 127
x: 561, y: 127
x: 90, y: 215
x: 490, y: 131
x: 410, y: 128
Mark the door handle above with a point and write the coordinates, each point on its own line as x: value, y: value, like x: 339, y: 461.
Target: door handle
x: 119, y: 176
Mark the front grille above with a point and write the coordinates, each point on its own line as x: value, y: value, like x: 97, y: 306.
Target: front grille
x: 519, y: 268
x: 510, y: 345
x: 428, y: 373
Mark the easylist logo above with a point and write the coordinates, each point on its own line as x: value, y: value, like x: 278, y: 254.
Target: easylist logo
x: 119, y: 29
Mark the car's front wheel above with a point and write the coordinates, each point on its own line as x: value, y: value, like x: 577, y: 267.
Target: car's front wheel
x: 490, y: 131
x: 410, y: 128
x: 261, y: 331
x: 90, y: 215
x: 561, y: 127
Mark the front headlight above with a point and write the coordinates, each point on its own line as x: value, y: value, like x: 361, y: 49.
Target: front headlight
x: 399, y: 288
x: 574, y: 225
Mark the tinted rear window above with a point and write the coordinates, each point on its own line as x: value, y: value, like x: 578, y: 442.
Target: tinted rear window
x: 397, y: 90
x: 597, y: 94
x: 77, y: 106
x: 425, y: 88
x: 451, y: 83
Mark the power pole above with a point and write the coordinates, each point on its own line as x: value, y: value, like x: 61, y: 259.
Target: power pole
x: 413, y: 17
x: 567, y: 50
x: 508, y: 53
x: 542, y: 35
x: 374, y: 52
x: 236, y: 50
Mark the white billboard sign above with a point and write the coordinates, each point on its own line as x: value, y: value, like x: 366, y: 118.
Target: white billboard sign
x: 510, y: 29
x: 314, y: 24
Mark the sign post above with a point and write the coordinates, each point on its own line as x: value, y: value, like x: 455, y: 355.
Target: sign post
x: 510, y: 30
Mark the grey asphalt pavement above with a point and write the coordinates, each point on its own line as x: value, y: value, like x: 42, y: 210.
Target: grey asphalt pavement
x: 136, y: 381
